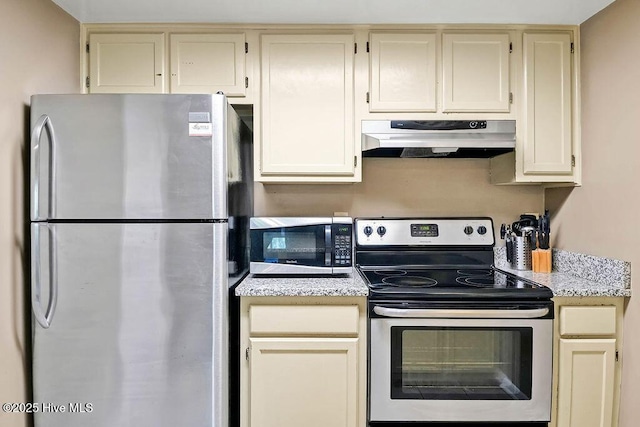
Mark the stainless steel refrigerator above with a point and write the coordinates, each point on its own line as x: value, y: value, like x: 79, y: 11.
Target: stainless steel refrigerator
x: 139, y: 227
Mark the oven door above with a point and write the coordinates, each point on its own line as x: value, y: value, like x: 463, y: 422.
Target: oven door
x: 460, y: 365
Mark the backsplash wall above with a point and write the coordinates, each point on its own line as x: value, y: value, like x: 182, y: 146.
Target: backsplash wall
x: 406, y: 187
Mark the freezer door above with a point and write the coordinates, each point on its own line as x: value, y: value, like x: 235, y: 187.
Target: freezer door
x: 139, y: 334
x: 129, y: 156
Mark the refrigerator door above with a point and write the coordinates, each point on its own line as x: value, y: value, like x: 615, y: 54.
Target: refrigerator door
x: 130, y: 156
x: 139, y: 334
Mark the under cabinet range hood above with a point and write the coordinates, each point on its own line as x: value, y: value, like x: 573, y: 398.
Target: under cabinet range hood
x: 438, y: 138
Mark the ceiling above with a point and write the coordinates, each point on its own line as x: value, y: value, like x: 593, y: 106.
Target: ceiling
x: 335, y: 11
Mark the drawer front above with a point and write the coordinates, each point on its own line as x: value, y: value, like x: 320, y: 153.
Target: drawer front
x: 588, y: 321
x: 303, y: 320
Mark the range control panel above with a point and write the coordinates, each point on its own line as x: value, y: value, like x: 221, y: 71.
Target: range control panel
x: 476, y: 231
x: 424, y: 230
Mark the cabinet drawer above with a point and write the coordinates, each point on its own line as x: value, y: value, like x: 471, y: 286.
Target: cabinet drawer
x: 283, y: 320
x: 588, y: 321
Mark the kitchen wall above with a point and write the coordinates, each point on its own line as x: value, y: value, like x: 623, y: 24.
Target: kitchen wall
x: 405, y: 187
x: 601, y: 217
x: 39, y: 53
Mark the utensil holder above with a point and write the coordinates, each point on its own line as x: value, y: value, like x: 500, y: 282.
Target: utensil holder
x: 521, y: 259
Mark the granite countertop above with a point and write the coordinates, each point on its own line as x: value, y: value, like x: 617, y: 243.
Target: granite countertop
x: 574, y: 275
x: 347, y: 285
x: 577, y: 275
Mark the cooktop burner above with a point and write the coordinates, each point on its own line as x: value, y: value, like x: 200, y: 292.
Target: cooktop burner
x: 406, y: 280
x: 417, y: 282
x: 436, y: 259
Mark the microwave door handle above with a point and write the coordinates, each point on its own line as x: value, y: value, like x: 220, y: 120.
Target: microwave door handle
x: 327, y: 245
x: 474, y: 314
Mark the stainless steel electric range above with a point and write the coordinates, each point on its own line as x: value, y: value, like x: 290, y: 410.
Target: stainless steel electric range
x: 452, y: 340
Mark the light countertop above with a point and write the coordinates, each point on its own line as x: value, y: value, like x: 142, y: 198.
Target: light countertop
x: 347, y: 285
x: 577, y: 275
x: 574, y: 275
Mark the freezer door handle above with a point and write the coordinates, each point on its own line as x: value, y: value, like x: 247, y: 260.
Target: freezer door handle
x: 44, y: 319
x: 43, y: 122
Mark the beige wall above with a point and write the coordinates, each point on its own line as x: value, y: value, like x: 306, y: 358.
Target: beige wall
x: 39, y: 53
x: 601, y: 217
x: 405, y: 187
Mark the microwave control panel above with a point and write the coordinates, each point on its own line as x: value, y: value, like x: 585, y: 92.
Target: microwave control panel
x: 342, y: 245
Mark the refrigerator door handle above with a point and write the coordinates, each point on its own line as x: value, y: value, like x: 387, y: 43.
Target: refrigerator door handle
x: 44, y: 121
x: 44, y: 319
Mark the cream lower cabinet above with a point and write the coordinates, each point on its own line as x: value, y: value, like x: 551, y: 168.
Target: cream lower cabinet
x: 307, y: 131
x: 303, y: 362
x: 304, y: 382
x: 587, y: 363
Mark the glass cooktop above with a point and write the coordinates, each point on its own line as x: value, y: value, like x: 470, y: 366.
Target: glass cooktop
x: 456, y: 283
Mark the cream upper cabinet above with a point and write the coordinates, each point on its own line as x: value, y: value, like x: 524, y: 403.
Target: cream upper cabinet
x: 548, y: 124
x: 587, y: 367
x: 547, y: 104
x: 307, y: 120
x: 208, y: 63
x: 303, y: 361
x: 475, y: 73
x: 402, y: 72
x: 126, y: 63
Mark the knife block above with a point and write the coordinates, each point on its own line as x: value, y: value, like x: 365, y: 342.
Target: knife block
x: 541, y: 260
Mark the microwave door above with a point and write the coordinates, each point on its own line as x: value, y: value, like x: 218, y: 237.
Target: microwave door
x: 301, y: 245
x: 303, y: 249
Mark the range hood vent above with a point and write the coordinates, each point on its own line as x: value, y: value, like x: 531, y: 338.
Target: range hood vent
x: 438, y: 138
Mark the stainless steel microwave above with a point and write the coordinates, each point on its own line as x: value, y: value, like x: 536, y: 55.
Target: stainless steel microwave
x: 301, y: 245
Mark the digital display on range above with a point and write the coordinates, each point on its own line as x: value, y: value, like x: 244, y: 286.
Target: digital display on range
x: 424, y: 230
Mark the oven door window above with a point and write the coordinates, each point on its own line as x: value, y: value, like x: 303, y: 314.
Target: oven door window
x: 305, y: 245
x: 448, y: 363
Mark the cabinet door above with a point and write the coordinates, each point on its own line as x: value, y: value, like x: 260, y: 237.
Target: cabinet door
x: 208, y: 63
x: 586, y: 382
x: 475, y: 74
x: 403, y: 72
x: 126, y: 63
x: 310, y: 382
x: 307, y: 105
x: 547, y: 104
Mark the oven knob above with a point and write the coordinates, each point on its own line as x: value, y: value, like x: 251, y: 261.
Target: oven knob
x: 382, y: 230
x: 468, y: 230
x: 368, y: 231
x: 482, y: 230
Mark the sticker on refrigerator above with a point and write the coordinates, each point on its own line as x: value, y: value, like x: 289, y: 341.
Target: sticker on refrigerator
x: 200, y: 129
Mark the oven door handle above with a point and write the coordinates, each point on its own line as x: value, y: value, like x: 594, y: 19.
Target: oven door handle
x: 457, y: 313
